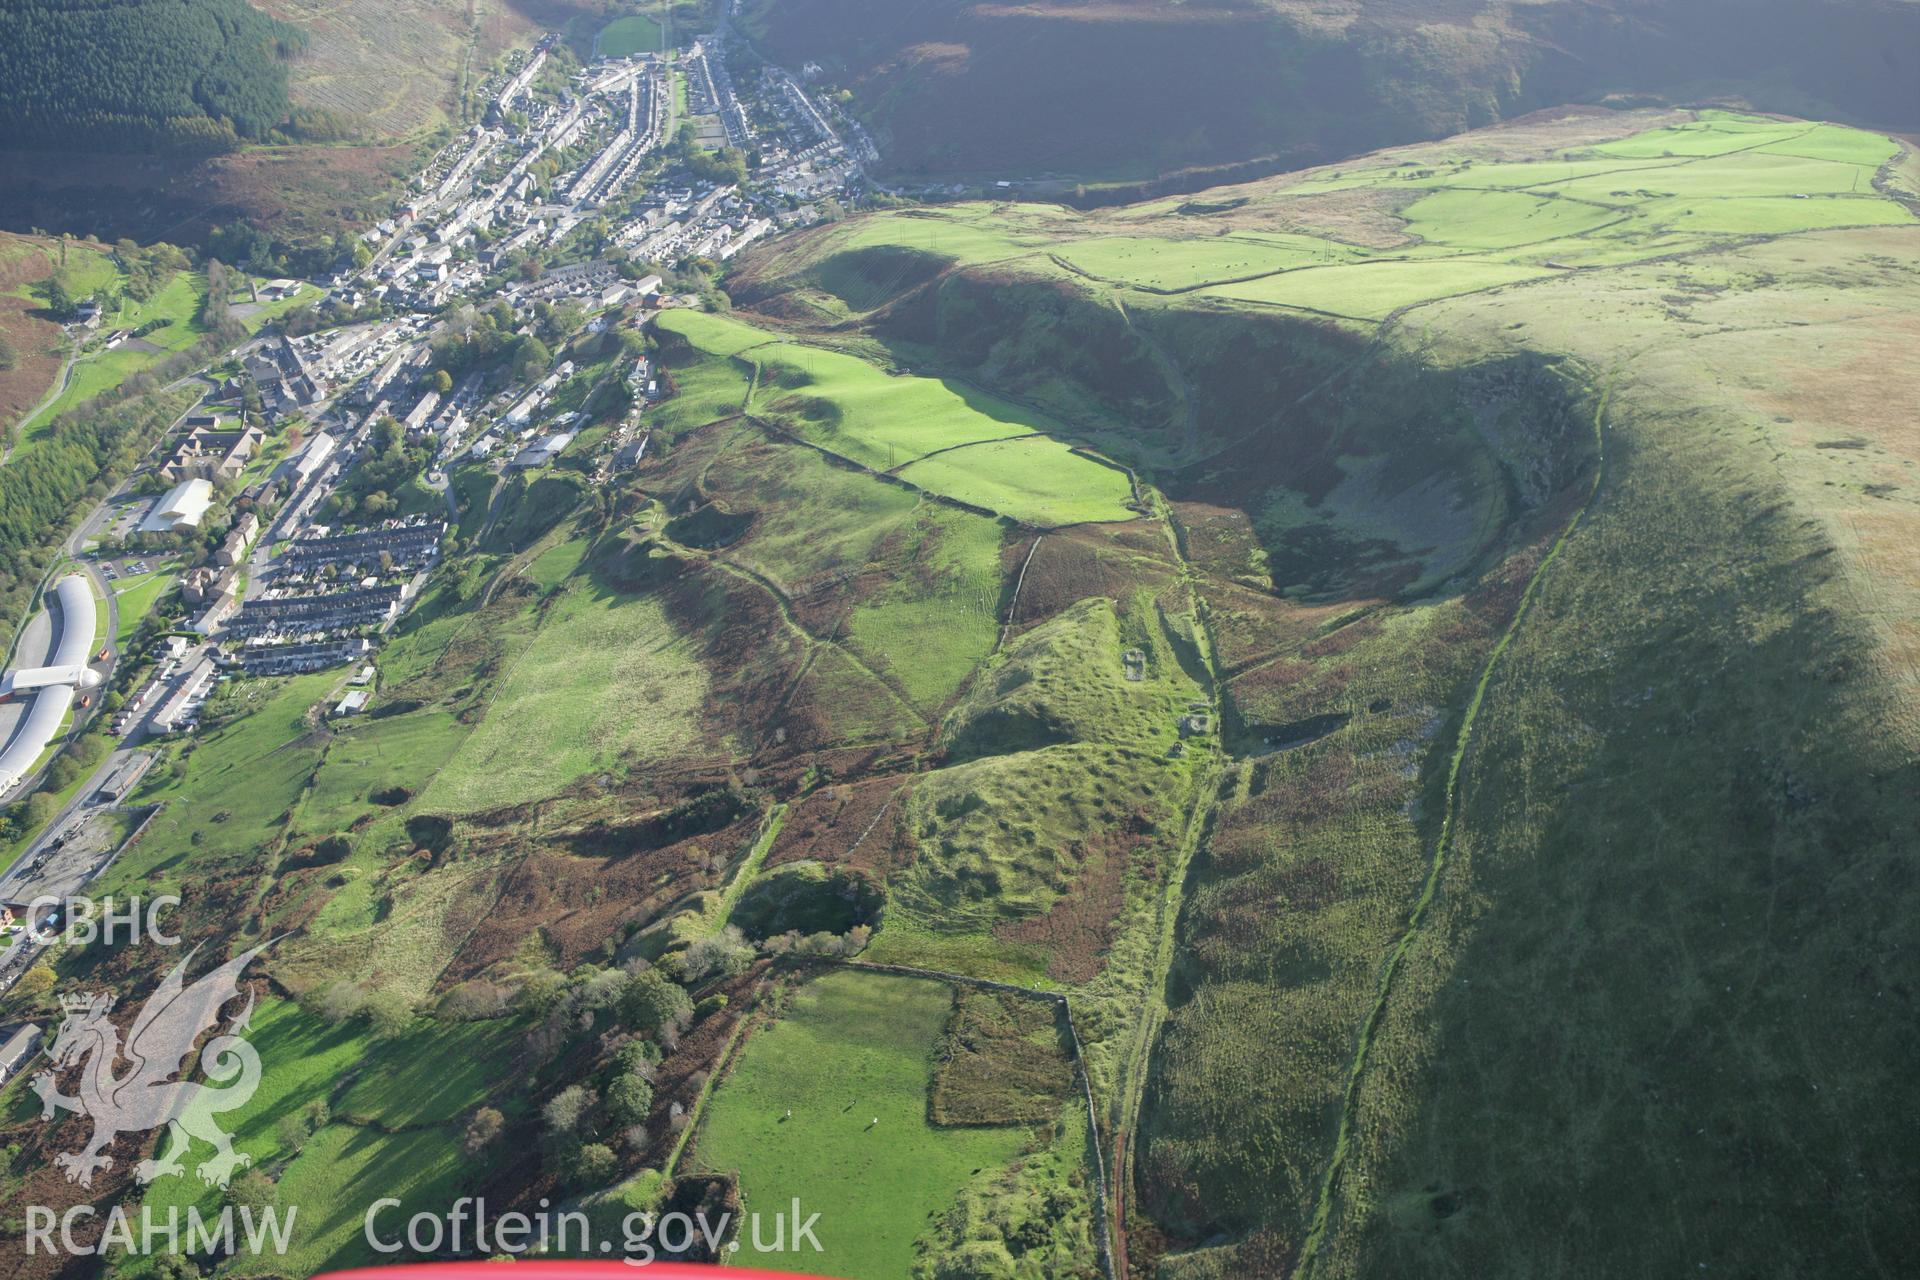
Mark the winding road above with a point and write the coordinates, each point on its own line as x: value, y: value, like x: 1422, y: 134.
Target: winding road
x: 59, y: 389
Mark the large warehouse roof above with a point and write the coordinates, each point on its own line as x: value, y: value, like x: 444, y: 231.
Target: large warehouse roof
x: 181, y: 508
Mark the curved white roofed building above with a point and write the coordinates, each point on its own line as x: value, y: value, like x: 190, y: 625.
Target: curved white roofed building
x: 52, y: 696
x: 76, y: 620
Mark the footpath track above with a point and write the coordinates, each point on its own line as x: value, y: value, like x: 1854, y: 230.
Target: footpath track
x: 1437, y: 864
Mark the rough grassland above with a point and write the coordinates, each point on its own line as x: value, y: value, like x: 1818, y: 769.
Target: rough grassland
x: 1588, y: 960
x: 1645, y: 999
x: 368, y: 756
x: 1674, y: 883
x: 854, y: 1049
x: 929, y: 629
x: 1037, y: 844
x: 811, y: 516
x: 233, y: 793
x: 606, y: 683
x: 394, y: 67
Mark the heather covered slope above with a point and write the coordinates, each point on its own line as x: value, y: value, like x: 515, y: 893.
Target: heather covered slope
x: 1124, y: 90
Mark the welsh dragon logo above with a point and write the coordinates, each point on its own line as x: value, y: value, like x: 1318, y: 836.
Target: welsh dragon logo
x: 147, y: 1096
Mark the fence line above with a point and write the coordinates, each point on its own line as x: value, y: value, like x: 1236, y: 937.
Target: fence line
x: 1063, y: 1003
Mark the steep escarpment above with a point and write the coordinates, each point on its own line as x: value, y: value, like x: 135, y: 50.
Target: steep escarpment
x: 1300, y: 458
x: 1544, y: 911
x: 1124, y: 90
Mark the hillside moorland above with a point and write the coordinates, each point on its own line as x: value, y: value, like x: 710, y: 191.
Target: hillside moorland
x: 1360, y: 723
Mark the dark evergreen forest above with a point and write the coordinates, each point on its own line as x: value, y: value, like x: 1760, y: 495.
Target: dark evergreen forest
x: 131, y: 75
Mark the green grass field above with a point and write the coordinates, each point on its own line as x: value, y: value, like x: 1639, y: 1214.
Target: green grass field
x: 889, y: 420
x: 1154, y: 263
x: 635, y: 33
x: 556, y: 564
x: 1715, y: 133
x: 136, y: 597
x: 233, y: 794
x: 1471, y: 224
x: 1837, y: 142
x: 325, y: 1181
x: 712, y: 332
x: 965, y: 233
x: 857, y: 410
x: 1039, y: 482
x: 418, y: 1167
x: 852, y: 1059
x: 430, y: 1074
x: 1501, y: 219
x: 705, y: 391
x: 1373, y: 290
x: 1539, y: 860
x: 304, y: 1060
